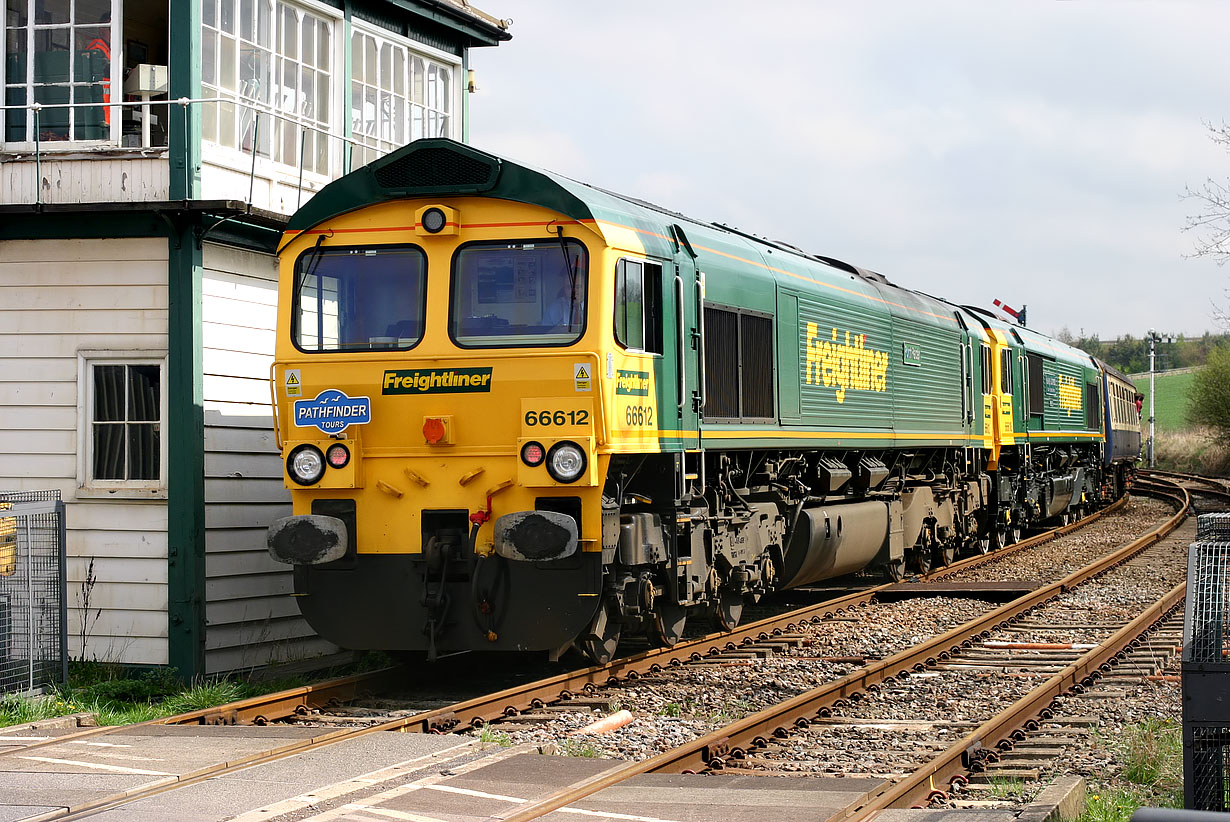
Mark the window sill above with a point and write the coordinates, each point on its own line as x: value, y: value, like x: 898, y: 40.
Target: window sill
x: 153, y: 494
x: 19, y: 152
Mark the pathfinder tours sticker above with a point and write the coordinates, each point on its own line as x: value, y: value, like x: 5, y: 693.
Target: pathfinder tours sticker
x: 332, y: 411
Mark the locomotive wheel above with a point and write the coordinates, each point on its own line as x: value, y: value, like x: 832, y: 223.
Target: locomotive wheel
x: 1014, y: 535
x: 1001, y: 536
x: 980, y: 545
x: 666, y: 625
x: 729, y: 610
x: 922, y: 561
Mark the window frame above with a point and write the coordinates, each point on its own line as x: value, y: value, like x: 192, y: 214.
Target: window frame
x: 87, y: 486
x: 328, y: 128
x: 340, y: 250
x: 413, y: 48
x: 114, y: 85
x: 652, y: 330
x: 586, y: 270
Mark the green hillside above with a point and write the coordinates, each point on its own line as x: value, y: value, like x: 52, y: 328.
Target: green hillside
x: 1172, y: 389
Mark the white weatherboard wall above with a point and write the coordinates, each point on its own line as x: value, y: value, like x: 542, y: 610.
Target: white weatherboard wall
x: 250, y: 616
x: 58, y: 297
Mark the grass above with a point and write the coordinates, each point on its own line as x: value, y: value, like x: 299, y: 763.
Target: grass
x: 1195, y: 450
x: 490, y: 736
x: 1150, y: 756
x: 579, y: 748
x: 1172, y: 391
x: 121, y: 696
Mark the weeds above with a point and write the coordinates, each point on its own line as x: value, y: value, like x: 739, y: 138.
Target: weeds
x: 579, y: 748
x: 1007, y: 788
x: 1153, y: 756
x: 490, y: 736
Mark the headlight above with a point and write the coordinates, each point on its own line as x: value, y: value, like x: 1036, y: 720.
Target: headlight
x: 434, y: 220
x: 565, y: 462
x: 306, y: 465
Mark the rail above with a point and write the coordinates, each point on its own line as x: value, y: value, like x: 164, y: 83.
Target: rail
x: 714, y: 749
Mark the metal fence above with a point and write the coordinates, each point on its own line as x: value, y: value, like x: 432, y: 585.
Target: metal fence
x: 1206, y: 667
x: 33, y: 606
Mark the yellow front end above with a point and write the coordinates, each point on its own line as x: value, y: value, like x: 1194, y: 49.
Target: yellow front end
x: 437, y: 439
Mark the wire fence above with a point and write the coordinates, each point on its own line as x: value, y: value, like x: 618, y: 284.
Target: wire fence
x: 1206, y: 667
x: 33, y: 607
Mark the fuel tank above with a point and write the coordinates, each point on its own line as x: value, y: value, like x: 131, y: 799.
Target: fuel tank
x: 835, y: 540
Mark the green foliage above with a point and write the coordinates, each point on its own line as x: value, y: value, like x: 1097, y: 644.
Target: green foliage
x: 1153, y: 756
x: 1210, y: 393
x: 579, y: 748
x: 1131, y: 354
x: 490, y: 736
x: 205, y: 695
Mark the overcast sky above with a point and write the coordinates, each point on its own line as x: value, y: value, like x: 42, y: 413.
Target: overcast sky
x: 1031, y: 151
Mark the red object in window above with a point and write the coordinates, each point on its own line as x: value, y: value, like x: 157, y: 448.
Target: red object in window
x: 99, y: 44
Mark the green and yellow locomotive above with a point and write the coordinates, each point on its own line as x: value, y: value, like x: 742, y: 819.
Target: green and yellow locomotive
x: 522, y: 413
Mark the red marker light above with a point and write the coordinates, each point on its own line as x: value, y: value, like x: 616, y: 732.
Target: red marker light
x: 532, y: 454
x: 338, y: 456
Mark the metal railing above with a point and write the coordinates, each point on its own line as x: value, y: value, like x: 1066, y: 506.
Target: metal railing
x: 345, y: 162
x: 33, y: 606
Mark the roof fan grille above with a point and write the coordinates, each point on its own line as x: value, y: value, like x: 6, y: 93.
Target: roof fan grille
x: 434, y: 168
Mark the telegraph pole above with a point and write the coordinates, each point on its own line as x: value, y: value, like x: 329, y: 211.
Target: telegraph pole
x: 1154, y: 339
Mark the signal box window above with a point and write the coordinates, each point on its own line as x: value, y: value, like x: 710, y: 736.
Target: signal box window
x: 367, y: 298
x: 518, y: 294
x: 121, y: 418
x: 638, y: 305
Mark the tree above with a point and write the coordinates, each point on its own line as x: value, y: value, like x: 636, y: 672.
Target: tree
x: 1212, y: 224
x: 1209, y: 397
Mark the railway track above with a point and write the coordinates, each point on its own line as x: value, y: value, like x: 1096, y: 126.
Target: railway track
x: 756, y: 638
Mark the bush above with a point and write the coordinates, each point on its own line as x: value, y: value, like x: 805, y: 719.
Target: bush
x: 1209, y: 396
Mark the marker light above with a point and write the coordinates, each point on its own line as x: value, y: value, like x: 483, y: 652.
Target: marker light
x: 306, y: 465
x: 565, y: 462
x: 338, y: 455
x: 434, y: 220
x: 532, y: 454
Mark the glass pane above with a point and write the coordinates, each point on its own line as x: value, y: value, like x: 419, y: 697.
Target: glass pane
x: 52, y: 59
x: 308, y: 150
x: 209, y: 12
x: 369, y: 59
x: 290, y: 144
x: 309, y: 39
x: 322, y: 99
x: 399, y: 121
x: 518, y: 294
x: 51, y: 11
x: 386, y: 66
x: 52, y: 123
x: 15, y: 46
x: 264, y: 23
x: 226, y: 64
x: 369, y: 111
x: 322, y: 45
x: 350, y: 299
x: 226, y: 15
x: 109, y: 452
x: 143, y: 381
x: 416, y: 79
x: 226, y: 124
x: 93, y: 11
x: 356, y: 107
x: 246, y: 13
x: 307, y: 99
x: 290, y: 33
x: 209, y: 57
x: 444, y: 103
x: 15, y: 119
x: 108, y: 393
x: 289, y: 96
x: 386, y: 116
x: 16, y: 14
x: 143, y: 456
x: 209, y: 115
x: 89, y: 123
x: 357, y: 41
x: 322, y: 154
x: 399, y: 72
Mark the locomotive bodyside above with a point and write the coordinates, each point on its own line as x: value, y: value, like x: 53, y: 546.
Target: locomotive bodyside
x: 521, y: 413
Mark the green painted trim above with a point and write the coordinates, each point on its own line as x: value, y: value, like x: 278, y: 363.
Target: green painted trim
x: 43, y: 226
x: 184, y: 138
x: 465, y: 95
x: 479, y: 32
x: 185, y: 456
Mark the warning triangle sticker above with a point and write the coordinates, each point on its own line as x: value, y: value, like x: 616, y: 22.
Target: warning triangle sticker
x: 292, y: 379
x: 582, y: 374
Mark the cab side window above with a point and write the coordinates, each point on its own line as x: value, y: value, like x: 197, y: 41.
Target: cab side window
x: 638, y: 305
x: 1005, y: 372
x: 986, y: 369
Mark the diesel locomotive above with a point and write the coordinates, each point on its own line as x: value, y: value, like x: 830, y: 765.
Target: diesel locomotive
x: 519, y: 412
